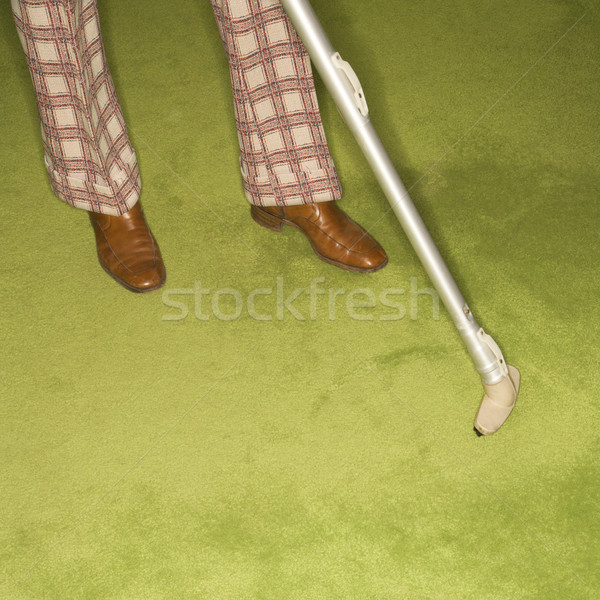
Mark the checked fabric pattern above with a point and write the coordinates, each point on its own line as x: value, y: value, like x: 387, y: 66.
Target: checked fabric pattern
x: 284, y: 154
x: 88, y: 155
x: 91, y: 163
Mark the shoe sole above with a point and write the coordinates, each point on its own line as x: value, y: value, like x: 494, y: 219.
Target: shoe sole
x: 275, y: 223
x: 130, y: 287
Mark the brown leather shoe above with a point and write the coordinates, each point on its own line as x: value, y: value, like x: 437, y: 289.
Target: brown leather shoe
x: 334, y: 236
x: 127, y: 250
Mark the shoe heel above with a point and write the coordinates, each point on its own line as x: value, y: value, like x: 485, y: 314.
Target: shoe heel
x: 262, y: 217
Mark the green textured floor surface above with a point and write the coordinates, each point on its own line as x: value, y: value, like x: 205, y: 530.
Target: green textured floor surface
x: 145, y: 455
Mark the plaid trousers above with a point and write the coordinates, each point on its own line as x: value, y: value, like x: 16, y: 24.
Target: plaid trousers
x: 90, y: 160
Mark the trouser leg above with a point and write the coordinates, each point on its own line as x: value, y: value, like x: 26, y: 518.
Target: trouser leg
x: 284, y: 155
x: 89, y: 158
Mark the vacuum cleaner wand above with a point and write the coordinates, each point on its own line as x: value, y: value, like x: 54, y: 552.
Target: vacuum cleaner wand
x: 500, y: 381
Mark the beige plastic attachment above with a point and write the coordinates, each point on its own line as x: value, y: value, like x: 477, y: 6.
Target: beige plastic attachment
x: 498, y: 402
x: 357, y: 91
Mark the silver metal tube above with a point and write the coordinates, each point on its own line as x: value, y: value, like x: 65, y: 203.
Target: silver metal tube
x: 343, y: 93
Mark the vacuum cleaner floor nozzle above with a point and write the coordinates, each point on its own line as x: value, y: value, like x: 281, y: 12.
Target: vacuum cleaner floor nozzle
x: 498, y: 401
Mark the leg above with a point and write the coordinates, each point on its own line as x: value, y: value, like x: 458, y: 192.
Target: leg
x: 89, y: 158
x: 284, y: 155
x: 88, y: 155
x: 288, y: 173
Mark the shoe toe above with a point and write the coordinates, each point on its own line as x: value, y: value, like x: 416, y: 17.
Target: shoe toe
x: 375, y: 259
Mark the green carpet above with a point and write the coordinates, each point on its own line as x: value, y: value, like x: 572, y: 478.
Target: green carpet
x: 145, y: 456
